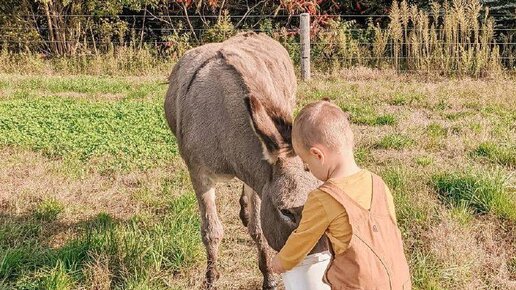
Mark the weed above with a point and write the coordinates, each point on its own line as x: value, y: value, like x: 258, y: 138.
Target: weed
x: 394, y: 141
x: 496, y: 153
x: 436, y: 131
x: 423, y: 160
x: 483, y: 192
x: 48, y: 209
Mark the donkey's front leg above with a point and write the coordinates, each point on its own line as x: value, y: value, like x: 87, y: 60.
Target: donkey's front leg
x: 211, y: 228
x: 255, y: 230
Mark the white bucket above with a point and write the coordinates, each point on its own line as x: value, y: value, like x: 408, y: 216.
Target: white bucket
x: 308, y: 275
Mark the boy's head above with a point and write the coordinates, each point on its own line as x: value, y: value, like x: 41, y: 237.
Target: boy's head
x: 322, y: 136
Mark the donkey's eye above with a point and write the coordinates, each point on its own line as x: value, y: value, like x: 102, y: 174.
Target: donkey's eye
x: 289, y: 214
x: 305, y: 166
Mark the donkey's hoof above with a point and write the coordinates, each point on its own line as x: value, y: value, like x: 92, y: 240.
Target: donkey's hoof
x: 269, y: 284
x: 212, y: 275
x: 209, y: 285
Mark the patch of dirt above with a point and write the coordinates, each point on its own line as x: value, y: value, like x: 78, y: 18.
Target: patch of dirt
x: 473, y: 254
x: 27, y: 178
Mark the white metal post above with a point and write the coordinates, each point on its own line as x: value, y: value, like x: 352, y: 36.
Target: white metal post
x: 305, y: 45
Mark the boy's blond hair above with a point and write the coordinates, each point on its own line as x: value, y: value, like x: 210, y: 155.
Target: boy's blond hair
x: 323, y: 123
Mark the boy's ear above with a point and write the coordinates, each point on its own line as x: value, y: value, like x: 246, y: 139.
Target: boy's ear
x: 317, y: 153
x: 273, y: 129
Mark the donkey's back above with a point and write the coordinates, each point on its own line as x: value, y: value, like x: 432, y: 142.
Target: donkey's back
x: 205, y: 105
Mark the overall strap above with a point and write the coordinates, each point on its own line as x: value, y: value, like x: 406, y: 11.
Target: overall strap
x: 379, y: 204
x: 353, y: 209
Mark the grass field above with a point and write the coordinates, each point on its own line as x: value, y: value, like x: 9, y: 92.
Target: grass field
x: 93, y: 193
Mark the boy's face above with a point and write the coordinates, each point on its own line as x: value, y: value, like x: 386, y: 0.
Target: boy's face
x: 314, y: 158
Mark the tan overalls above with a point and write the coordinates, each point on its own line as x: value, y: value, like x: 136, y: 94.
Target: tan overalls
x: 375, y: 257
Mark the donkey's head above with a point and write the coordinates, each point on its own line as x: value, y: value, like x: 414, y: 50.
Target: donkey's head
x: 285, y: 193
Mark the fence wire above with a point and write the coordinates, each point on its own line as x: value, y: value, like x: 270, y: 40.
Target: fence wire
x: 164, y: 34
x: 236, y: 16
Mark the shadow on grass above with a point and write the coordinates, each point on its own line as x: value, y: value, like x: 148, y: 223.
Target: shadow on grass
x: 137, y: 252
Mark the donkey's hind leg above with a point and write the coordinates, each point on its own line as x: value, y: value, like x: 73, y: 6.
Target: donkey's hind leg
x: 211, y: 228
x: 255, y: 230
x: 244, y: 207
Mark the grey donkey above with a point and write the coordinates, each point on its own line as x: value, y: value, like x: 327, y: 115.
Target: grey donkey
x: 230, y: 107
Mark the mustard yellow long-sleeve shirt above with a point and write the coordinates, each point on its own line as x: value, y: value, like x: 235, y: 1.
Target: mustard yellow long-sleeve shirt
x: 323, y: 214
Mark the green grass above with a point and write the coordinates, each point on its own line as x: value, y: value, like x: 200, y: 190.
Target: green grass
x: 423, y: 160
x: 48, y: 209
x: 462, y: 213
x: 82, y: 84
x: 426, y: 271
x: 123, y: 135
x: 435, y: 135
x: 362, y: 154
x: 483, y: 192
x: 136, y: 250
x: 57, y: 278
x: 394, y: 141
x: 436, y: 131
x: 409, y: 210
x: 364, y: 115
x: 388, y: 119
x: 86, y: 125
x: 453, y: 116
x: 403, y: 98
x: 414, y: 214
x: 497, y: 153
x: 372, y: 120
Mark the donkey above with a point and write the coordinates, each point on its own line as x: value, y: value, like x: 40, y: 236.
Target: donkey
x: 230, y: 107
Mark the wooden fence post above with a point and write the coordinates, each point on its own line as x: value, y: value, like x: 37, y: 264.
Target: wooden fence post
x: 305, y: 45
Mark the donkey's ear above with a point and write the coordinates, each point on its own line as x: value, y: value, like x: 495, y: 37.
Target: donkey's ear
x: 273, y: 130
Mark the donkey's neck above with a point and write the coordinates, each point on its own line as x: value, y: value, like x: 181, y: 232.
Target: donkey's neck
x: 254, y: 173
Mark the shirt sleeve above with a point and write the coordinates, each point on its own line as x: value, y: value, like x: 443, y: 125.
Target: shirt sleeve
x: 313, y: 224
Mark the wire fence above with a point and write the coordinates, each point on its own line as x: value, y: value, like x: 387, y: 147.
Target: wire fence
x: 234, y: 16
x: 348, y: 44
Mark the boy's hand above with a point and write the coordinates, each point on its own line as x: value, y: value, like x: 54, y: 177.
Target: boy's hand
x: 276, y: 266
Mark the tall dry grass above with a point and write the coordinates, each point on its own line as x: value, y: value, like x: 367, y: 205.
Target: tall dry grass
x: 454, y: 38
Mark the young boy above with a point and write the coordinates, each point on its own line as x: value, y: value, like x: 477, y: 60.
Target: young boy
x: 354, y: 208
